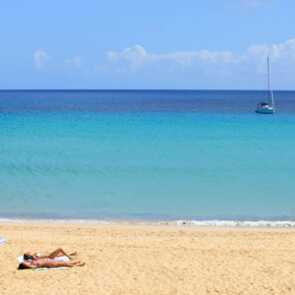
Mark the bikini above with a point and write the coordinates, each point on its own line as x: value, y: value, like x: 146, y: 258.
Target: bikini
x: 38, y: 263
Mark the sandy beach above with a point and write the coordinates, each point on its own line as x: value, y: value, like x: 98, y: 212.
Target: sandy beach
x: 151, y: 259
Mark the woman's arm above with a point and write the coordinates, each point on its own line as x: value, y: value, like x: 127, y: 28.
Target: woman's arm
x: 29, y: 265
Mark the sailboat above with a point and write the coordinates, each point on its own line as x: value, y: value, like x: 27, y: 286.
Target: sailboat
x: 267, y: 107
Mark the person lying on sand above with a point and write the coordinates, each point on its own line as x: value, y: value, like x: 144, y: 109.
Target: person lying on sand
x: 58, y: 258
x: 56, y: 253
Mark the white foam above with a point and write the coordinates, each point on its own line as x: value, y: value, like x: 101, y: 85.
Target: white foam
x: 237, y: 223
x: 196, y: 223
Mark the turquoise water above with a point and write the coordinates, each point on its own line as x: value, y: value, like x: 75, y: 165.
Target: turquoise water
x: 147, y: 165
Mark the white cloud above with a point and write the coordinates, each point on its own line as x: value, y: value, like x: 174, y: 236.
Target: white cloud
x: 137, y: 56
x: 196, y: 68
x: 74, y: 62
x: 205, y: 67
x: 40, y: 58
x: 277, y: 51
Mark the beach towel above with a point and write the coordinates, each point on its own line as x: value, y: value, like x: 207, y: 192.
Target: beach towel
x: 2, y: 241
x: 21, y: 259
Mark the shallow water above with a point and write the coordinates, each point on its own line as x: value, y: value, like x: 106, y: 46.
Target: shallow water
x: 146, y: 155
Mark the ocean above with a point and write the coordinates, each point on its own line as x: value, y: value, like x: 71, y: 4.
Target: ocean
x: 146, y: 155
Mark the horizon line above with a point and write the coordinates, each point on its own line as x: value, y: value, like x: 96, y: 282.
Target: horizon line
x: 138, y: 89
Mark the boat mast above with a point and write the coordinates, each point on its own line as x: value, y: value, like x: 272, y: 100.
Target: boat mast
x: 271, y: 96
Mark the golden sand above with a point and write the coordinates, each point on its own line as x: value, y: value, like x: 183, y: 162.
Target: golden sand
x: 156, y: 260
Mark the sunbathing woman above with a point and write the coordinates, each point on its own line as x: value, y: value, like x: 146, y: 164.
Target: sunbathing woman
x: 58, y: 258
x: 56, y: 253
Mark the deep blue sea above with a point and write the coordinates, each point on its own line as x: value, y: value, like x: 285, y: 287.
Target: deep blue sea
x: 151, y: 155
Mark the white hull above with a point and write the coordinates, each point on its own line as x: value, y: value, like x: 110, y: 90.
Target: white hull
x: 265, y: 111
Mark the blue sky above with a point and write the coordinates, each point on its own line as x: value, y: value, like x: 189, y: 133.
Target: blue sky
x: 213, y: 44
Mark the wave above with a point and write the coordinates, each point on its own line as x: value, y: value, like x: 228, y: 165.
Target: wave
x: 180, y: 223
x: 237, y: 223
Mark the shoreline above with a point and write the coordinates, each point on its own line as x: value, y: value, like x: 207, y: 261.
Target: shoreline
x: 210, y: 223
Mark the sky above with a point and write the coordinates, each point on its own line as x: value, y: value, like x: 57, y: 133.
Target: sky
x: 189, y: 44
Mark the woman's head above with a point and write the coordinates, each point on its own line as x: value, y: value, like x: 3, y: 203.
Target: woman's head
x: 28, y: 256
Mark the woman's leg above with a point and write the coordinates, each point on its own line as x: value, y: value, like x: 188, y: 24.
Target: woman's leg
x: 57, y: 253
x: 51, y: 264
